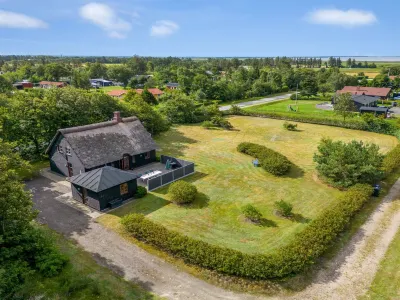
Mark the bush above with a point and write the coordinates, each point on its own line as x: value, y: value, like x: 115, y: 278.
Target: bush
x: 392, y: 160
x: 344, y: 165
x: 221, y: 122
x: 283, y: 208
x: 251, y: 213
x: 182, y: 192
x: 290, y: 126
x: 140, y: 192
x: 301, y: 252
x: 207, y: 124
x: 273, y: 162
x: 236, y: 110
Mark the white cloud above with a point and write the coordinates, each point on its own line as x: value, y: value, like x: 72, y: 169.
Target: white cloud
x: 15, y: 20
x: 106, y: 18
x: 345, y: 18
x: 163, y: 28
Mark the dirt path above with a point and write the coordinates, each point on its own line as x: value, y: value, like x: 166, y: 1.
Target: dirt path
x: 349, y: 275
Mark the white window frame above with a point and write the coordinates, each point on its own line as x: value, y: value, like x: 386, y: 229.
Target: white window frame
x: 60, y: 149
x: 68, y: 151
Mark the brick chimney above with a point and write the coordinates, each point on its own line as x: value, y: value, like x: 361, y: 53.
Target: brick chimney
x: 117, y: 116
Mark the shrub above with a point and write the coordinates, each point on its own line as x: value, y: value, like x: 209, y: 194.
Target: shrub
x: 140, y: 192
x: 392, y: 160
x: 182, y: 192
x: 273, y: 162
x: 290, y: 126
x: 236, y: 110
x: 301, y: 252
x: 251, y: 213
x: 344, y: 165
x: 283, y: 208
x: 221, y: 122
x: 207, y: 124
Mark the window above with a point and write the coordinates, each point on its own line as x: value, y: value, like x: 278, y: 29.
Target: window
x: 60, y: 149
x: 147, y: 155
x: 123, y: 188
x: 133, y: 159
x: 68, y: 151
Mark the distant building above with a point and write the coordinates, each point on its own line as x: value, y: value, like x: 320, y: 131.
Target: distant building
x: 117, y: 93
x: 156, y: 92
x: 379, y: 110
x: 100, y: 82
x: 382, y: 93
x: 51, y: 84
x: 172, y: 85
x: 24, y: 84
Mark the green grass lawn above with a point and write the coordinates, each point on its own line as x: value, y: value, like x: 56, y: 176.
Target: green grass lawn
x: 227, y: 181
x: 36, y: 166
x: 111, y: 88
x: 82, y: 278
x: 305, y: 107
x: 386, y: 284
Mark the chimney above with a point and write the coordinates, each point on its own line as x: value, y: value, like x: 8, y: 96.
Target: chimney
x: 117, y: 116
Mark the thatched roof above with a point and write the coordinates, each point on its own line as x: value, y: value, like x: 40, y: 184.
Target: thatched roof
x: 102, y: 143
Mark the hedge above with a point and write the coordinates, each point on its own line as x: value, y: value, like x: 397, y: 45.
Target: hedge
x: 352, y: 123
x: 391, y: 160
x: 303, y: 251
x: 270, y: 160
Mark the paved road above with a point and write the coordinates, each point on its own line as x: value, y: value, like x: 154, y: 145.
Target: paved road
x: 121, y: 256
x: 256, y: 102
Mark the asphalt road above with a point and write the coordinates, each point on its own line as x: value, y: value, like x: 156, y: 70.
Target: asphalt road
x: 256, y: 102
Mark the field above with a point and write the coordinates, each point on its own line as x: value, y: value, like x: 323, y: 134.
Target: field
x: 227, y: 181
x: 111, y: 88
x: 306, y: 107
x: 386, y: 284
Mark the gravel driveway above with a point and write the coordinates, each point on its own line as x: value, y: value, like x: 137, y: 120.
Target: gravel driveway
x: 256, y: 102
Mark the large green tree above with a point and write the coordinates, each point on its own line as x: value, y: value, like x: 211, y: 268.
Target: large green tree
x: 344, y: 105
x: 5, y: 85
x: 344, y: 165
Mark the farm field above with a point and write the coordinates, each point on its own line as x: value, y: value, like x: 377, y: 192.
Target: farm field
x: 227, y: 181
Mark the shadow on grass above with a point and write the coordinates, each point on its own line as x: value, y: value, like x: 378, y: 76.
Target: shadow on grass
x: 295, y: 172
x: 267, y: 223
x: 145, y: 205
x: 201, y: 201
x: 174, y: 143
x: 191, y: 178
x: 299, y: 218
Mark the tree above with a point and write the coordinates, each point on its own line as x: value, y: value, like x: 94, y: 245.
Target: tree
x: 179, y: 109
x: 120, y: 73
x: 309, y: 86
x: 97, y: 70
x: 344, y: 165
x: 344, y: 105
x: 182, y: 192
x: 325, y: 88
x: 148, y: 97
x: 55, y: 71
x: 80, y: 80
x: 5, y: 85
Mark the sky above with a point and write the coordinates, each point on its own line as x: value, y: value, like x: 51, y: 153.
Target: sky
x: 199, y: 28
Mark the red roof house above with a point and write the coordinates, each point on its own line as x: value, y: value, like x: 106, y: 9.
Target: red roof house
x: 156, y: 92
x: 368, y: 91
x: 117, y: 93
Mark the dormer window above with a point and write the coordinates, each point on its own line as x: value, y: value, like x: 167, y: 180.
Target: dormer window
x: 68, y: 151
x: 60, y: 149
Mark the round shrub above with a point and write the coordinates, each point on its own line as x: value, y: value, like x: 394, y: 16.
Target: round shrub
x: 283, y: 208
x: 182, y: 192
x: 251, y: 213
x: 140, y: 192
x: 207, y: 124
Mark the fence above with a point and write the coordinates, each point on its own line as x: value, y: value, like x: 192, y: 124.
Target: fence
x: 184, y: 169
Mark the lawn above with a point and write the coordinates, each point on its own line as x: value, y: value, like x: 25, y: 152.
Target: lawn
x: 305, y: 107
x: 227, y: 181
x: 82, y: 278
x: 386, y: 284
x: 111, y: 88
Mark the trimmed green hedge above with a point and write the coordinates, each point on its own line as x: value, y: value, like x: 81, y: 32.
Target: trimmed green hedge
x: 270, y: 160
x: 391, y: 160
x: 303, y: 251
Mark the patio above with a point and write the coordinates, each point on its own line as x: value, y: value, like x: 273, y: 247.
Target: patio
x: 155, y: 166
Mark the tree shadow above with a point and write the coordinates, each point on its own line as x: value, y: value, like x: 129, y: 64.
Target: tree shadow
x: 267, y: 223
x: 295, y: 172
x: 299, y: 218
x: 191, y: 178
x: 201, y: 201
x: 175, y: 142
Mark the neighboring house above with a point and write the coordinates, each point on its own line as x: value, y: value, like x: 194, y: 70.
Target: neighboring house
x: 25, y: 84
x: 365, y: 101
x: 100, y: 82
x: 103, y: 188
x: 383, y: 93
x: 117, y: 93
x: 51, y: 84
x: 156, y: 92
x: 381, y: 110
x: 172, y: 85
x: 121, y: 143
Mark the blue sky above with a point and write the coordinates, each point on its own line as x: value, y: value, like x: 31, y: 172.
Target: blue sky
x: 199, y: 27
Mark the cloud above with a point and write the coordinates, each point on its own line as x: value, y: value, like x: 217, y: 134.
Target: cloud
x: 345, y: 18
x: 106, y: 18
x: 163, y: 28
x: 14, y: 20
